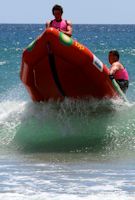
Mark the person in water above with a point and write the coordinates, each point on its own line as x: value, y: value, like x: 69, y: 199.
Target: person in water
x: 59, y: 23
x: 118, y: 71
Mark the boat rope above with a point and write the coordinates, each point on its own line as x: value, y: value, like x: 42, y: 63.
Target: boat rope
x: 52, y: 63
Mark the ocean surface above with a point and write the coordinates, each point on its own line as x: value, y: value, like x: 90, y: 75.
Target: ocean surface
x: 72, y: 149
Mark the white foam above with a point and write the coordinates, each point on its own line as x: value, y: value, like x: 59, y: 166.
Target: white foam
x: 2, y: 63
x: 56, y: 196
x: 9, y: 120
x: 8, y: 107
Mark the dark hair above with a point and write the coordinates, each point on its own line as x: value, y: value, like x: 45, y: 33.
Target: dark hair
x: 57, y: 7
x: 115, y: 53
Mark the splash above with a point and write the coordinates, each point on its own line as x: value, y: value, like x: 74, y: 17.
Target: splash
x: 74, y: 125
x: 9, y: 120
x: 69, y: 126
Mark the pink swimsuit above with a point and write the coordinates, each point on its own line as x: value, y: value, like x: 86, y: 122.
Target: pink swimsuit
x: 121, y: 74
x: 59, y: 25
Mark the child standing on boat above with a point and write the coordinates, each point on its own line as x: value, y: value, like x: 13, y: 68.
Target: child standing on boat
x: 62, y: 25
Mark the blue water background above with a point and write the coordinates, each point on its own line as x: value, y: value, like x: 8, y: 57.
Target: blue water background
x: 100, y: 39
x: 71, y: 150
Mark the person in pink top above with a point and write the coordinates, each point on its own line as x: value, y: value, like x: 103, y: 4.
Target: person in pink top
x: 59, y: 23
x: 118, y: 71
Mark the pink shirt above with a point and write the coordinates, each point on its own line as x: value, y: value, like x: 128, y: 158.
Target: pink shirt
x: 121, y: 74
x: 59, y: 25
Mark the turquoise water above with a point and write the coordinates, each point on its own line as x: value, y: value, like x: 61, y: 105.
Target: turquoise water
x: 71, y: 149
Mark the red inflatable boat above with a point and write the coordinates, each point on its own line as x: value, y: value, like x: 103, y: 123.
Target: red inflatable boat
x: 55, y: 66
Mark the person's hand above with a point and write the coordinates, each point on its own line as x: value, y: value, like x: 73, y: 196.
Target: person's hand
x: 62, y: 31
x: 111, y: 76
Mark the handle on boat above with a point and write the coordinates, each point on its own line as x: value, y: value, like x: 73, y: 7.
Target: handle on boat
x: 118, y: 89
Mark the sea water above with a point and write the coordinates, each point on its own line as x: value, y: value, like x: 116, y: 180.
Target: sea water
x: 71, y: 149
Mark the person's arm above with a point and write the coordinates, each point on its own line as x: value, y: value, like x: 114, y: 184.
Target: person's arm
x: 113, y: 69
x: 69, y: 29
x: 47, y: 24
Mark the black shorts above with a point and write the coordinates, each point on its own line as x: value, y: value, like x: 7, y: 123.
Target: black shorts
x: 123, y: 84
